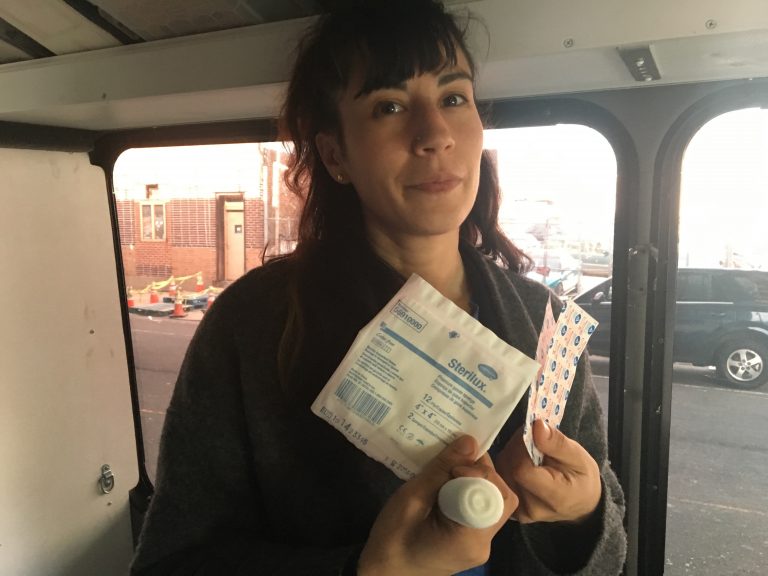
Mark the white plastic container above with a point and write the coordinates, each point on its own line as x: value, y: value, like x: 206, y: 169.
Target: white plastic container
x: 472, y: 502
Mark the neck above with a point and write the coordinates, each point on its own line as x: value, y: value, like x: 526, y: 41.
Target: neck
x: 435, y: 258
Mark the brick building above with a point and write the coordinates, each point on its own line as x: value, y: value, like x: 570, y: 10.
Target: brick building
x: 209, y: 209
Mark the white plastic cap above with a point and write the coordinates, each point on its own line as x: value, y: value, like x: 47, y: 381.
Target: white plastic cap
x: 472, y: 502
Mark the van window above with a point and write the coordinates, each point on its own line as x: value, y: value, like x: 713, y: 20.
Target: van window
x: 193, y: 219
x: 717, y: 513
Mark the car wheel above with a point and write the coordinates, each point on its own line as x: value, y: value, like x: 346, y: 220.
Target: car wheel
x: 741, y: 363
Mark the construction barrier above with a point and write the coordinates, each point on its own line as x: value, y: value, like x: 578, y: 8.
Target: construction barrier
x: 173, y: 284
x: 178, y: 307
x: 177, y: 303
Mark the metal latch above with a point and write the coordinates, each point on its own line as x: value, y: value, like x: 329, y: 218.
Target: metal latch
x: 643, y: 259
x: 107, y: 480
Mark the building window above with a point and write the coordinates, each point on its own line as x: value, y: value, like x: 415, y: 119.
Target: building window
x: 152, y: 221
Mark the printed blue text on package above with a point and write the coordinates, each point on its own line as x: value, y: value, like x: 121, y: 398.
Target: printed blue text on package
x: 469, y: 375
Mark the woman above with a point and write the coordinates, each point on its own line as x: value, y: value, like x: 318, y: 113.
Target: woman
x: 388, y: 151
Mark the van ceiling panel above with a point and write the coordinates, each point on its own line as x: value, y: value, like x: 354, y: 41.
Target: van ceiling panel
x: 154, y: 20
x: 233, y: 68
x: 9, y: 53
x: 680, y: 61
x: 55, y: 25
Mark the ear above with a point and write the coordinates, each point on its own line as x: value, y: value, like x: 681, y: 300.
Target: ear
x: 331, y: 155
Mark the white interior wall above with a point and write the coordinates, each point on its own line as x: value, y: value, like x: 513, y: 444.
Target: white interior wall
x: 65, y: 408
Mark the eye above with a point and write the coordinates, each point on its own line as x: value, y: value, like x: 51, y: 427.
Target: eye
x: 454, y: 100
x: 387, y: 108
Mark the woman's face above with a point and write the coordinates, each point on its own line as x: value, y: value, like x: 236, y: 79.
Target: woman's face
x: 412, y: 152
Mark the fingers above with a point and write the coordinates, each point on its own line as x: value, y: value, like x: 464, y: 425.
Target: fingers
x: 484, y: 468
x: 566, y: 487
x: 456, y: 460
x: 557, y: 446
x: 481, y: 468
x: 461, y: 452
x: 531, y: 508
x: 411, y: 536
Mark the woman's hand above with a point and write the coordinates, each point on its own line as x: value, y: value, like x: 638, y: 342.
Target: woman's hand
x: 412, y: 538
x: 566, y: 487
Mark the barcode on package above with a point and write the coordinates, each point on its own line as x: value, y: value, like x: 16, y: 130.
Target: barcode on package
x: 361, y: 402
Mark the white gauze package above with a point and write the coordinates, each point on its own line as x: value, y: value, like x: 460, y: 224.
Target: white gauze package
x: 422, y: 373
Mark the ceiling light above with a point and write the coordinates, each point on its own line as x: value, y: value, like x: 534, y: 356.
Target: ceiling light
x: 640, y: 62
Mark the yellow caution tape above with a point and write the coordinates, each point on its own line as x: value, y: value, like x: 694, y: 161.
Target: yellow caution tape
x: 160, y: 284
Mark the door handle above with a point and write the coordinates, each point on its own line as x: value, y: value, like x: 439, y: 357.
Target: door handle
x: 107, y: 480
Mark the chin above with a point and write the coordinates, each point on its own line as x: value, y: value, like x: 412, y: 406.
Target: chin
x: 437, y: 229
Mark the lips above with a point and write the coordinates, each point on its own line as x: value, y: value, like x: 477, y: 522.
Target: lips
x: 442, y: 183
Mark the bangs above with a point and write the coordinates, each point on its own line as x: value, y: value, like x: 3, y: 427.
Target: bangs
x: 392, y: 45
x: 393, y: 59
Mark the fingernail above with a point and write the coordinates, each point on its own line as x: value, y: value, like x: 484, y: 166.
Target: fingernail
x: 464, y: 446
x: 547, y: 430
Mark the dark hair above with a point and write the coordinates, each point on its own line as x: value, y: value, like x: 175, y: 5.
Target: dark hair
x: 391, y: 41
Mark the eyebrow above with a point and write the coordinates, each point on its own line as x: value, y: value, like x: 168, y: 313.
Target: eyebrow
x: 442, y: 80
x: 453, y: 76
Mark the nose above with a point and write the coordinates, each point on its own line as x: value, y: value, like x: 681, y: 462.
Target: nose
x: 431, y: 132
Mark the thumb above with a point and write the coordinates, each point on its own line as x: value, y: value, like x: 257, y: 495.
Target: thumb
x: 556, y: 445
x: 460, y: 452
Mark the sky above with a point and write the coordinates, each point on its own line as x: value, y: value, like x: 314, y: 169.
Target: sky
x: 724, y: 189
x: 571, y: 166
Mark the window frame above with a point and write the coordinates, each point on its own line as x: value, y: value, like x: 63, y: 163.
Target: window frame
x: 648, y: 156
x: 700, y: 108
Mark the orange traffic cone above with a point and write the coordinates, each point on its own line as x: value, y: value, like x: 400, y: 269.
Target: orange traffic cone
x: 153, y: 297
x: 178, y: 307
x: 199, y: 283
x: 172, y: 289
x: 131, y: 303
x: 210, y: 301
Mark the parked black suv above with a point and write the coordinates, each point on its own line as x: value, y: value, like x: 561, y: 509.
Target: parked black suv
x: 722, y: 321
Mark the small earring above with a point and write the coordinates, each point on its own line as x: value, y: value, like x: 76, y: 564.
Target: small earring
x: 339, y: 177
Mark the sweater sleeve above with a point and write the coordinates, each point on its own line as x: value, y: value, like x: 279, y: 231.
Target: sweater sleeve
x: 206, y: 516
x: 597, y: 546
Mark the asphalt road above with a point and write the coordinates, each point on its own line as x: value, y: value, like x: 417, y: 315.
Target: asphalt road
x: 717, y: 515
x: 717, y: 499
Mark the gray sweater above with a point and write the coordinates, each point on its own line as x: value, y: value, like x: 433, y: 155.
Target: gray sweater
x: 250, y: 482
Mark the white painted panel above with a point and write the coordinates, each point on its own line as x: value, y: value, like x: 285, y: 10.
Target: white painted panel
x: 538, y: 27
x: 725, y: 57
x: 237, y: 73
x: 217, y: 60
x: 166, y: 110
x: 55, y: 25
x: 65, y: 407
x: 9, y: 53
